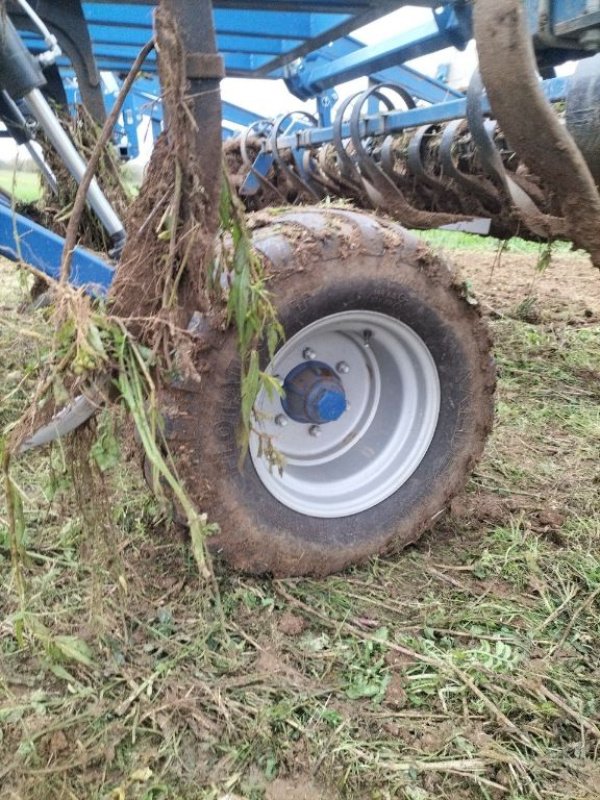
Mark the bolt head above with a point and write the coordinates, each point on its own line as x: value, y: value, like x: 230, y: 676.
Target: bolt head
x: 342, y: 367
x: 308, y: 354
x: 281, y: 420
x: 315, y: 430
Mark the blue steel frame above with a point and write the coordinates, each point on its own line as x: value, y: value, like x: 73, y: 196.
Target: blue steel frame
x: 25, y: 241
x: 143, y: 102
x: 308, y: 44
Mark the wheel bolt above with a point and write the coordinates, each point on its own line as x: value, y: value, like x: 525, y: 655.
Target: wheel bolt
x: 342, y: 368
x: 314, y: 430
x: 308, y: 354
x: 281, y: 420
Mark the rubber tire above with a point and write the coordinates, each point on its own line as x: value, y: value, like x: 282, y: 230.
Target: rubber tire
x: 323, y: 262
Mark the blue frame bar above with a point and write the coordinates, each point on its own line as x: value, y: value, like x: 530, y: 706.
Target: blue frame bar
x: 300, y: 80
x: 420, y: 41
x: 23, y: 240
x: 555, y: 90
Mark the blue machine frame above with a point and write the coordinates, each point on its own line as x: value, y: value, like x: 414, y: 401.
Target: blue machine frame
x: 309, y: 45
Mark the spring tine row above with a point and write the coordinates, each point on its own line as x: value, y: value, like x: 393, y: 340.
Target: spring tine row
x: 438, y: 174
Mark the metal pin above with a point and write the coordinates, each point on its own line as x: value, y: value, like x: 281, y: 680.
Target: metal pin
x: 314, y: 430
x: 281, y: 420
x: 343, y: 368
x: 309, y: 354
x: 367, y: 338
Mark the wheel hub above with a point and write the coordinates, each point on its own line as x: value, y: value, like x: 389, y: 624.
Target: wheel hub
x: 350, y: 435
x: 313, y: 393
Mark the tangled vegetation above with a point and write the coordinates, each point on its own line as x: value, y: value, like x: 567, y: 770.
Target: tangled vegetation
x: 465, y: 668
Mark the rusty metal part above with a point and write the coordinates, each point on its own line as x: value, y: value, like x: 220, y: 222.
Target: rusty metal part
x: 507, y: 64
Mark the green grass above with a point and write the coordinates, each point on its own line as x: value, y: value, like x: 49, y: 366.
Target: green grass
x: 25, y: 186
x: 457, y: 240
x: 464, y: 668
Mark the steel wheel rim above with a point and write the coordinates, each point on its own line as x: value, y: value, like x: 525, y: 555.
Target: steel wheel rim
x: 359, y: 460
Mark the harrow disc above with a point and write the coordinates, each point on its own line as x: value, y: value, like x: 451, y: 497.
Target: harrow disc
x: 388, y: 400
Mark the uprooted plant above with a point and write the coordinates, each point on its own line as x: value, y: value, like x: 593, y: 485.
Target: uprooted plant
x: 171, y: 271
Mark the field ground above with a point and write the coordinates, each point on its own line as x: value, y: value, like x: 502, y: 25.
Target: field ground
x: 27, y: 186
x: 24, y: 185
x: 465, y: 668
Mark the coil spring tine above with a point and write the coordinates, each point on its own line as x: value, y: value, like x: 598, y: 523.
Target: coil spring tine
x: 479, y: 187
x: 347, y: 166
x: 299, y: 184
x: 392, y: 198
x: 537, y: 222
x: 247, y: 161
x: 534, y: 192
x: 439, y: 188
x: 387, y: 160
x: 363, y: 157
x: 414, y: 158
x: 314, y: 173
x: 442, y: 187
x: 339, y: 185
x: 305, y: 166
x: 386, y: 157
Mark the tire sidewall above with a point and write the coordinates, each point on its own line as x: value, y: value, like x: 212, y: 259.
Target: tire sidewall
x: 264, y: 535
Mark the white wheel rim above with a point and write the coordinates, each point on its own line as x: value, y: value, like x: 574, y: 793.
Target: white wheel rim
x: 393, y: 402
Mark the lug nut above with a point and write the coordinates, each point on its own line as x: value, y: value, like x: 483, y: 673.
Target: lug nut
x: 342, y: 368
x: 281, y: 420
x: 314, y: 430
x: 308, y: 354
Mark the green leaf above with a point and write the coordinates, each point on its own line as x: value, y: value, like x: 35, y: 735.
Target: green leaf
x: 62, y: 673
x: 382, y: 634
x: 105, y: 451
x: 73, y: 649
x: 95, y: 341
x: 544, y: 258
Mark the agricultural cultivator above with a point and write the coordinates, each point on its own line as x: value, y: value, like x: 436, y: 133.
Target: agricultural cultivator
x: 368, y: 415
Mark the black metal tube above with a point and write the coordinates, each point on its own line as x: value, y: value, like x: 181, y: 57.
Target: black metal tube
x: 13, y: 119
x: 196, y: 25
x: 20, y: 73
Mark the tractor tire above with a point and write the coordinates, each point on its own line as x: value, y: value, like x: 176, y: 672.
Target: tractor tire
x: 419, y: 374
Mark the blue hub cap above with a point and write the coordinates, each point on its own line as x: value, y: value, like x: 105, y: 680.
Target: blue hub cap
x: 313, y: 393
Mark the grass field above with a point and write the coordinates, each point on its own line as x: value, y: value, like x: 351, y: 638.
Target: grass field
x: 24, y: 185
x: 466, y: 668
x: 27, y: 187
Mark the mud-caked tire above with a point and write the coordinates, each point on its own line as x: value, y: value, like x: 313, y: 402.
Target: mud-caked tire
x: 325, y: 262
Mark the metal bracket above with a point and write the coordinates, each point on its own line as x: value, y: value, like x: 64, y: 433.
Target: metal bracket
x: 67, y: 22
